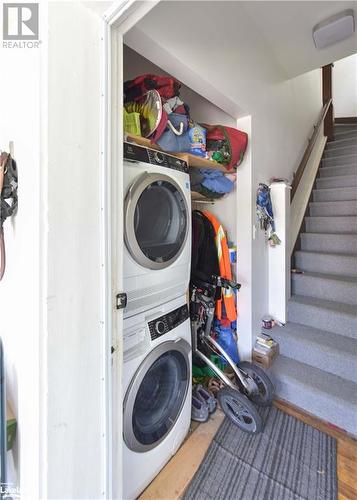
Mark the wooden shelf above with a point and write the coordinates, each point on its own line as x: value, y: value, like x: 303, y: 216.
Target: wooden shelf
x: 192, y: 160
x: 142, y: 141
x: 199, y: 197
x: 197, y: 162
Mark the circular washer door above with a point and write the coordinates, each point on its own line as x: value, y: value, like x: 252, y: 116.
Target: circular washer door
x: 156, y: 220
x: 156, y: 395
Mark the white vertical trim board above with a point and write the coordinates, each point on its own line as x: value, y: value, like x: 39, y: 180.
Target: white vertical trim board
x: 244, y: 224
x: 117, y: 21
x: 279, y: 256
x: 43, y: 339
x: 106, y: 243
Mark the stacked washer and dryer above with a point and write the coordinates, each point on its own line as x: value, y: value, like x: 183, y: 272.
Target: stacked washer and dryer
x: 157, y: 336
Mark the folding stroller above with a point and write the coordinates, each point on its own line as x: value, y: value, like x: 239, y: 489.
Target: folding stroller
x: 246, y: 383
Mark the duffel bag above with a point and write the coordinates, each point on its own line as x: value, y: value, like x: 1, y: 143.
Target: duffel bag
x: 227, y: 145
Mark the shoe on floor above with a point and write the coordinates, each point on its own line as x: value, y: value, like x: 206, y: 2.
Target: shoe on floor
x: 199, y: 411
x: 205, y: 397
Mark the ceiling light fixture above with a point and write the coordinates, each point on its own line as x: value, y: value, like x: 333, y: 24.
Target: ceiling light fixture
x: 334, y: 29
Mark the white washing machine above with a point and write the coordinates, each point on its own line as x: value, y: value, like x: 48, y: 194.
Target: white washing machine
x: 157, y: 375
x: 157, y: 228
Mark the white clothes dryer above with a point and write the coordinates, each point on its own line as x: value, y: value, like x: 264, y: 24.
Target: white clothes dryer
x: 157, y: 375
x: 157, y: 228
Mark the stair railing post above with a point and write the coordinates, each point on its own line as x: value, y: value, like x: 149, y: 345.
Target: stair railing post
x: 326, y: 96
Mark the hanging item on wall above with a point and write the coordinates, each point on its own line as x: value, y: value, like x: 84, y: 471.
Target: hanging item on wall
x: 8, y: 200
x: 265, y: 214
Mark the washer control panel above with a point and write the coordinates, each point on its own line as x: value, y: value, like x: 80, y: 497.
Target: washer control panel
x: 133, y: 152
x: 168, y: 322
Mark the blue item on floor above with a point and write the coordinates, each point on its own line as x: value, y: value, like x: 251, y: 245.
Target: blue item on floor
x: 226, y: 338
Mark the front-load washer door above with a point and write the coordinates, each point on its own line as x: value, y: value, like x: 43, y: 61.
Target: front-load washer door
x: 156, y: 395
x: 156, y: 220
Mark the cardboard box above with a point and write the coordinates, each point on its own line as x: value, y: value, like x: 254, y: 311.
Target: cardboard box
x: 264, y: 357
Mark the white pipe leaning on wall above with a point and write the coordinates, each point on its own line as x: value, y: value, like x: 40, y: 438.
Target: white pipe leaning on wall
x: 279, y: 256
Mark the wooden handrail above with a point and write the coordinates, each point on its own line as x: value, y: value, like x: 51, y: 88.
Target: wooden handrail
x: 308, y: 150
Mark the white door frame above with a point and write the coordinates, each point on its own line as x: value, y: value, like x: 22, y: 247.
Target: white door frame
x: 117, y: 20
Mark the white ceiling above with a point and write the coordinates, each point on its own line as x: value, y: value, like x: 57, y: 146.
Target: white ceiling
x: 284, y: 26
x: 287, y: 28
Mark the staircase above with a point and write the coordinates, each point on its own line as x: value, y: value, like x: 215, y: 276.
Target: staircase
x: 317, y: 366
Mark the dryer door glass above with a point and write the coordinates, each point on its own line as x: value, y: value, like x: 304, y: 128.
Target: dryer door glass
x: 158, y: 399
x: 157, y: 221
x: 160, y: 221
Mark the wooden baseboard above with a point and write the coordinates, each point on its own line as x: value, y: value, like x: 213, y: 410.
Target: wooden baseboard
x: 316, y: 422
x: 347, y: 119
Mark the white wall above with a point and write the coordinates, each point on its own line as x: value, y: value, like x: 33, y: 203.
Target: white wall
x: 75, y: 441
x: 234, y: 59
x: 20, y: 289
x: 344, y: 87
x: 201, y: 109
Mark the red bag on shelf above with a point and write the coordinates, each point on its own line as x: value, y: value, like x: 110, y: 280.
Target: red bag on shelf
x: 167, y: 87
x: 227, y: 144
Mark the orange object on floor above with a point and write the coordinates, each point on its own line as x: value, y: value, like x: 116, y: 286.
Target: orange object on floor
x: 228, y: 298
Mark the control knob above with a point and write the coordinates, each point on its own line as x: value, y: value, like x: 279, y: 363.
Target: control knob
x: 160, y: 327
x: 159, y: 158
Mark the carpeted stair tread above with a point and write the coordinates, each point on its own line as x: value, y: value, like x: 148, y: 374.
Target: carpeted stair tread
x: 340, y: 143
x: 343, y: 134
x: 330, y: 305
x: 327, y: 276
x: 336, y: 181
x: 328, y: 287
x: 332, y: 316
x: 333, y: 208
x: 322, y: 262
x: 341, y: 224
x: 340, y: 151
x: 325, y: 242
x: 337, y: 171
x: 323, y: 394
x: 342, y: 159
x: 335, y: 194
x: 318, y: 348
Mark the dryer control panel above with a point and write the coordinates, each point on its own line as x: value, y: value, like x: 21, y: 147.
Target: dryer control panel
x: 133, y: 152
x: 168, y: 322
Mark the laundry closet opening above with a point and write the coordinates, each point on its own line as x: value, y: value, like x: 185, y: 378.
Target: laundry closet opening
x: 158, y: 203
x: 235, y: 210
